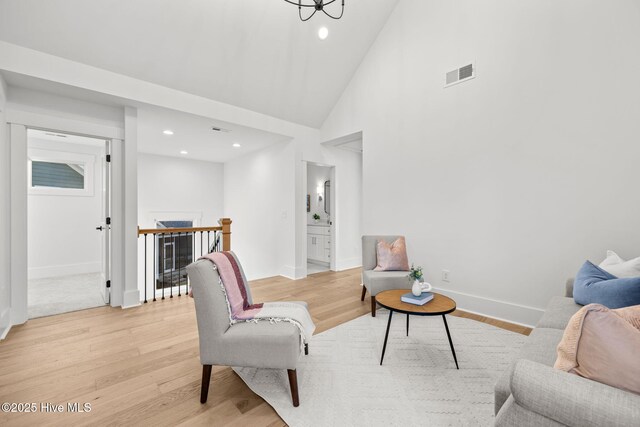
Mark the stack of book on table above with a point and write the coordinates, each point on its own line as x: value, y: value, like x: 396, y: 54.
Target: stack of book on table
x: 410, y: 298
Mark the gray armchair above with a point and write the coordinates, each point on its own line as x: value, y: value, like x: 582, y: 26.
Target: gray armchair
x: 245, y: 344
x: 378, y: 281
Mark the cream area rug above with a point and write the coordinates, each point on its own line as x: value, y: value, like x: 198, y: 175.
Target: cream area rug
x: 341, y: 382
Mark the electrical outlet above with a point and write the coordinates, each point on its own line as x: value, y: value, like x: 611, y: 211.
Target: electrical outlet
x: 446, y: 276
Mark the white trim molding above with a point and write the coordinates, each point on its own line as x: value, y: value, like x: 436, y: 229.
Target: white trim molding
x: 131, y: 293
x: 64, y: 270
x: 19, y: 254
x: 5, y: 323
x: 72, y: 126
x: 348, y: 263
x: 293, y: 273
x: 500, y: 310
x: 131, y: 298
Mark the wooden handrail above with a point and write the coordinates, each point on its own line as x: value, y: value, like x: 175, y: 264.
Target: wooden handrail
x: 226, y: 233
x: 225, y: 227
x: 142, y: 231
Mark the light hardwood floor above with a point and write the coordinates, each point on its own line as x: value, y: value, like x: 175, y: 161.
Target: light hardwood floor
x: 140, y: 366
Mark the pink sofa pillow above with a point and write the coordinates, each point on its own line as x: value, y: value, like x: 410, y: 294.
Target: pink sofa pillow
x: 603, y: 345
x: 392, y: 256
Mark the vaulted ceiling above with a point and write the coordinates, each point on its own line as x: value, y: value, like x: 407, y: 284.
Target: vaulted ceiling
x: 255, y: 54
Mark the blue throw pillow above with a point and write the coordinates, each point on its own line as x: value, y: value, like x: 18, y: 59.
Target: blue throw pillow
x: 593, y: 285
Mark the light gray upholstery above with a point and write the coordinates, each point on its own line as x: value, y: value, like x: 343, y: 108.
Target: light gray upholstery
x: 258, y: 345
x: 569, y: 288
x: 378, y: 281
x: 540, y: 347
x: 570, y: 399
x: 515, y: 415
x: 558, y: 312
x: 532, y: 393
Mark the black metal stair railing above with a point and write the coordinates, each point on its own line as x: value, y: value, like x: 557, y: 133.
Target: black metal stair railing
x: 172, y: 250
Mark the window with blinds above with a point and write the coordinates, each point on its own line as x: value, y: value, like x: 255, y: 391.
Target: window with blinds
x: 57, y: 175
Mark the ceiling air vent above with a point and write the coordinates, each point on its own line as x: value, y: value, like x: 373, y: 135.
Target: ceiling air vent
x: 219, y: 129
x: 460, y: 75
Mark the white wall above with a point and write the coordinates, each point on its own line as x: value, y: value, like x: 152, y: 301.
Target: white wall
x: 169, y: 187
x: 62, y: 239
x: 347, y: 209
x: 259, y: 194
x: 317, y: 176
x: 513, y: 179
x: 5, y: 193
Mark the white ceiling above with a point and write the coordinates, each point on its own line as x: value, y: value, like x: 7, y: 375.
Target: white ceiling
x: 255, y: 54
x: 191, y: 133
x: 194, y: 135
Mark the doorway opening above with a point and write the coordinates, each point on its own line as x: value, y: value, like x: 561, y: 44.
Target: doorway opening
x: 68, y: 224
x: 319, y: 218
x: 332, y: 189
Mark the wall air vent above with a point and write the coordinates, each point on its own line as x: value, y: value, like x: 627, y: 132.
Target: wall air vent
x: 460, y: 75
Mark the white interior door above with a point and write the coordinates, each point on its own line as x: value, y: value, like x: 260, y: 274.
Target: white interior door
x: 104, y: 227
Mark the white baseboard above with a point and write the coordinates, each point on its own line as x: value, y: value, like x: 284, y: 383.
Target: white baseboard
x: 5, y: 323
x: 348, y: 263
x: 500, y: 310
x: 293, y: 273
x: 321, y: 263
x: 131, y: 298
x: 64, y: 270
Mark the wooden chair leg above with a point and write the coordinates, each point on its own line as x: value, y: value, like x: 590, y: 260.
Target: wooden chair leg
x: 364, y: 291
x: 373, y: 306
x: 206, y: 377
x: 293, y: 383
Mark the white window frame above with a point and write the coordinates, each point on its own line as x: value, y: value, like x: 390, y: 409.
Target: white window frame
x: 87, y: 160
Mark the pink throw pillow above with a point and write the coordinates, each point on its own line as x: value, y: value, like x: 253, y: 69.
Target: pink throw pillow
x: 392, y: 256
x: 603, y: 345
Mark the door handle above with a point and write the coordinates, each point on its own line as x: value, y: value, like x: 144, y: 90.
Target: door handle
x: 100, y: 228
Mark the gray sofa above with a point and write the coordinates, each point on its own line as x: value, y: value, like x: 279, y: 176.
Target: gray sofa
x: 533, y: 393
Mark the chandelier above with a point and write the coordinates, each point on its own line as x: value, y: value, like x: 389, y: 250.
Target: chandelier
x: 317, y: 5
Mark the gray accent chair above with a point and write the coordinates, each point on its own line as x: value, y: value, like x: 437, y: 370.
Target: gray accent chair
x: 248, y: 344
x: 532, y: 393
x: 378, y: 281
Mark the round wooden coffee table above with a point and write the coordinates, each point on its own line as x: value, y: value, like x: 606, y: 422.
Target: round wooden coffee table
x: 440, y: 305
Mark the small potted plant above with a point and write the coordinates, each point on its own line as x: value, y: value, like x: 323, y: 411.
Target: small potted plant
x: 415, y: 275
x: 316, y: 218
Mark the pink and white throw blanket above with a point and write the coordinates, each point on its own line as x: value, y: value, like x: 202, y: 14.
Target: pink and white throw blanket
x: 234, y: 286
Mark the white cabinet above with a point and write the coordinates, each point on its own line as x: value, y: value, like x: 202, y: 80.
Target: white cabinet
x: 319, y: 243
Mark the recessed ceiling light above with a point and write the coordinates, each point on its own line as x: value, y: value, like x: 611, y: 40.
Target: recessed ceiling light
x: 323, y: 33
x: 167, y: 132
x: 236, y: 145
x: 184, y: 152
